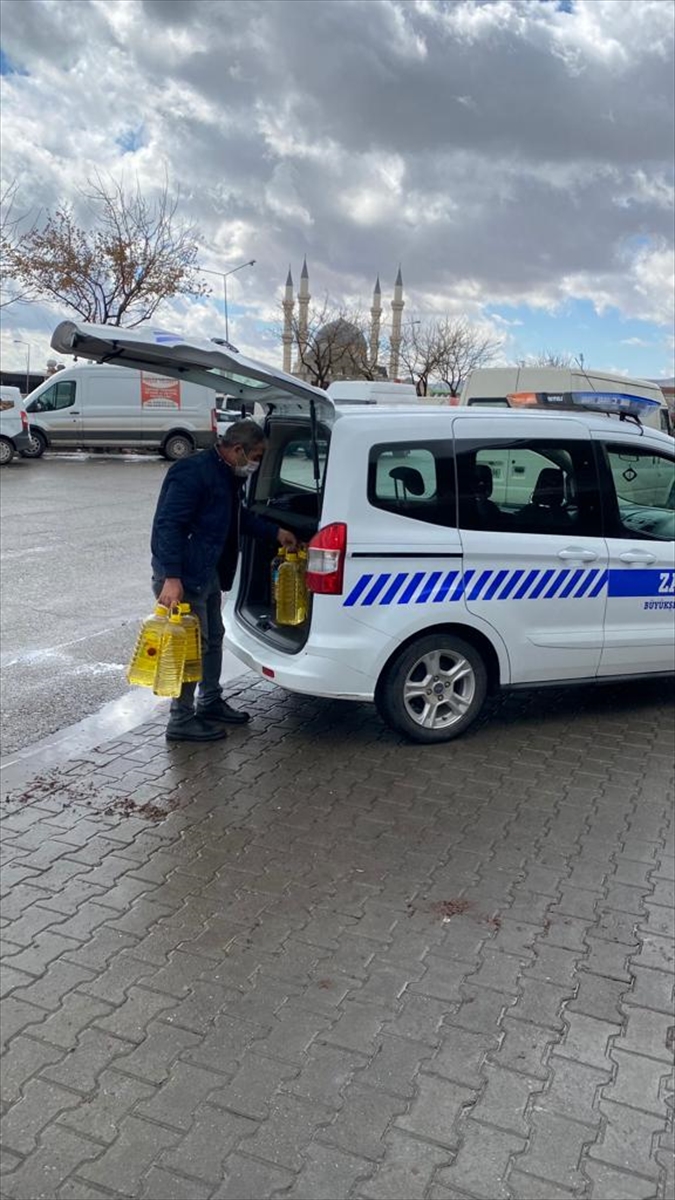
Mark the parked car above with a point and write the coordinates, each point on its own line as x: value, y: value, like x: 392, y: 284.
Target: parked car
x: 14, y: 429
x: 437, y: 576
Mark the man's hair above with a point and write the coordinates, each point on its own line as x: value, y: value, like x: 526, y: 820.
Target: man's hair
x: 246, y: 434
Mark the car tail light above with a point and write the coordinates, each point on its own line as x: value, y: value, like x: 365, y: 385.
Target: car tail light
x: 326, y: 560
x: 24, y: 420
x: 214, y: 420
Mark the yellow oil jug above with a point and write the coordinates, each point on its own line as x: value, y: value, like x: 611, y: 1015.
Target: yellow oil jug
x: 290, y: 609
x: 143, y: 666
x: 172, y: 653
x: 192, y: 672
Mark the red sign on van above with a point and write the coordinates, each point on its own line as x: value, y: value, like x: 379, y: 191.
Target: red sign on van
x: 158, y: 391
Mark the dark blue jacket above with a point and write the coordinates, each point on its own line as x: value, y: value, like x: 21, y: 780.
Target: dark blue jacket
x: 198, y: 521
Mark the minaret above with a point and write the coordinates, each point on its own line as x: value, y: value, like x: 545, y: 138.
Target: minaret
x: 397, y: 306
x: 287, y: 336
x: 375, y: 318
x: 303, y: 306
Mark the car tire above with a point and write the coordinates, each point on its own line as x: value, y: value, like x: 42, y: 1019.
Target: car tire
x: 177, y: 446
x: 37, y: 447
x: 435, y: 689
x: 7, y: 451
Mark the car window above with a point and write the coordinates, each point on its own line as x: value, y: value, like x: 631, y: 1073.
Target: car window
x: 59, y: 395
x: 643, y: 493
x: 414, y: 480
x: 529, y: 487
x: 296, y: 464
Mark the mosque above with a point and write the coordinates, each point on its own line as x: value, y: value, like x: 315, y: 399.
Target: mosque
x: 357, y: 348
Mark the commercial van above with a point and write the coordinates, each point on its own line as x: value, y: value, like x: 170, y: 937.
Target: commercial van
x: 107, y: 408
x: 559, y: 388
x: 430, y: 587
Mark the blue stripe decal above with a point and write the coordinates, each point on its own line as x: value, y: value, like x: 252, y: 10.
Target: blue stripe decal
x: 540, y: 585
x: 479, y: 585
x: 560, y: 577
x: 496, y: 582
x: 428, y: 587
x: 407, y: 595
x: 359, y: 587
x: 463, y: 583
x: 391, y: 591
x: 445, y: 587
x: 586, y: 582
x: 597, y: 587
x: 642, y: 583
x: 376, y: 589
x: 508, y: 588
x: 527, y: 583
x: 571, y: 583
x: 485, y: 585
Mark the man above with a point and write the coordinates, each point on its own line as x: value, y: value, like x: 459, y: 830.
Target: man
x: 195, y: 546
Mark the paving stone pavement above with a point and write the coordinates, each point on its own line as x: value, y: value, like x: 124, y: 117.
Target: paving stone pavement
x: 317, y: 961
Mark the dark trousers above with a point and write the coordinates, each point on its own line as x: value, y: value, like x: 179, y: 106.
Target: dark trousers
x: 207, y: 606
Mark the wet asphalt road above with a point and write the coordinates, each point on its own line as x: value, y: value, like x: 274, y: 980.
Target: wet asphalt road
x: 75, y: 581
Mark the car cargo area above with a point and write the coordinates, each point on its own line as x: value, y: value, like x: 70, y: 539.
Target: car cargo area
x: 288, y: 491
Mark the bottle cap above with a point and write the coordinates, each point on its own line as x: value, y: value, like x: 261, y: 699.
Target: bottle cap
x: 291, y: 556
x: 161, y: 610
x: 175, y: 617
x: 184, y: 608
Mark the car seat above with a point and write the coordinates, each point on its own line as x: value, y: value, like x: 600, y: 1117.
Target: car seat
x: 546, y: 509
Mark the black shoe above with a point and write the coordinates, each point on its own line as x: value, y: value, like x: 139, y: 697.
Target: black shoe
x: 194, y: 729
x: 221, y: 712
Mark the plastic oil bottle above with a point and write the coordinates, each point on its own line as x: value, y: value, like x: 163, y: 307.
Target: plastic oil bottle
x: 143, y: 666
x: 303, y: 597
x: 289, y: 609
x: 192, y: 672
x: 279, y: 557
x: 172, y: 653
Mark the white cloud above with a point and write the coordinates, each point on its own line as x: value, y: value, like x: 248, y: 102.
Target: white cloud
x: 504, y: 153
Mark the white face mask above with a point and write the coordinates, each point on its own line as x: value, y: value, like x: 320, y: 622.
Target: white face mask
x: 248, y: 469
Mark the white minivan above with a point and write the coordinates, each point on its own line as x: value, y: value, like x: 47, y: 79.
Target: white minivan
x: 430, y: 586
x: 106, y: 408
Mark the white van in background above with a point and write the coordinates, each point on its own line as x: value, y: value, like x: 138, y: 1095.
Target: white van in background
x: 113, y: 408
x: 367, y: 391
x: 518, y: 387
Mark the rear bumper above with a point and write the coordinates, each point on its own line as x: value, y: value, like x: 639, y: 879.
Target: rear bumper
x: 22, y: 440
x: 316, y: 670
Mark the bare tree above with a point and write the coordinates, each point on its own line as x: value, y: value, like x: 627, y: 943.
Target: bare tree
x: 135, y: 255
x: 11, y: 222
x: 547, y: 358
x: 419, y: 354
x: 445, y: 349
x: 333, y: 344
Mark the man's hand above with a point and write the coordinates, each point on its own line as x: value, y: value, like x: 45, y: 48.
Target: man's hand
x: 287, y: 539
x: 171, y: 593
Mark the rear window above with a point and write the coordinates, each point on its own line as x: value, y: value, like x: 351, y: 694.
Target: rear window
x: 414, y: 480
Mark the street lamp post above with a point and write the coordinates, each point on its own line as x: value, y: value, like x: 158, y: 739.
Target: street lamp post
x: 224, y: 276
x: 21, y: 342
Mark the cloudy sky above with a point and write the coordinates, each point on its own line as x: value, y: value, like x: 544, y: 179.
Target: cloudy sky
x: 514, y: 156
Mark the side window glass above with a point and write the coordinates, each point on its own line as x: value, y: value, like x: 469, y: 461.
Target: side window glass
x: 46, y: 402
x: 414, y: 480
x: 296, y: 465
x: 644, y: 489
x: 65, y: 393
x: 533, y: 487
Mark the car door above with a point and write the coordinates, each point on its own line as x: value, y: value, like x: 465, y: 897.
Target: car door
x: 639, y: 499
x: 57, y: 409
x: 535, y: 561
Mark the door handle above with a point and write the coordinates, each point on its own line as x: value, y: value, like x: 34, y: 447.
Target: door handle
x: 637, y: 556
x: 578, y: 554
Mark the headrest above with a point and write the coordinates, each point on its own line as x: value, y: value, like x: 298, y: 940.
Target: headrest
x: 483, y: 478
x: 550, y: 488
x: 411, y: 478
